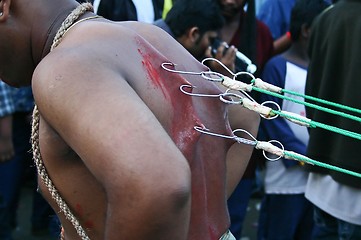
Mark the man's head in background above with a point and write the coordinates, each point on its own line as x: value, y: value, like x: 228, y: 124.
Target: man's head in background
x: 231, y: 8
x: 194, y: 23
x: 302, y: 16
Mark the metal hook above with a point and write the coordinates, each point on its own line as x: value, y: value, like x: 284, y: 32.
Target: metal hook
x: 252, y: 142
x: 228, y: 94
x: 224, y: 97
x: 218, y: 76
x: 219, y: 62
x: 196, y: 94
x: 177, y: 71
x: 244, y: 73
x: 221, y: 96
x: 208, y: 75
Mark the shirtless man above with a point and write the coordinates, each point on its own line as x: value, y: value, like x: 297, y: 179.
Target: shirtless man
x: 116, y: 134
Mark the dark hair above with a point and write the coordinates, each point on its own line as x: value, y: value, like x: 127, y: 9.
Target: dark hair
x: 248, y: 37
x: 204, y: 14
x: 304, y: 12
x: 248, y: 40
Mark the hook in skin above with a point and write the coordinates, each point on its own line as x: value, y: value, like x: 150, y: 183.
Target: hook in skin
x: 224, y: 97
x: 208, y: 75
x: 252, y: 142
x: 219, y: 62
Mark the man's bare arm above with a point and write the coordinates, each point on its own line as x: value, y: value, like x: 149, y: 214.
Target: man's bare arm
x: 145, y: 177
x: 239, y: 154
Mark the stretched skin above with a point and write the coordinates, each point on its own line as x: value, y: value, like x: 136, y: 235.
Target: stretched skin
x: 117, y: 137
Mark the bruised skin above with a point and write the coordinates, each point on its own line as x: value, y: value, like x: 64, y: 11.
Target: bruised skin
x: 205, y: 154
x: 178, y: 114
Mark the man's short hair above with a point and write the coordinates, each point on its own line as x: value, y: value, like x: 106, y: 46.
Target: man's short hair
x: 185, y: 14
x: 304, y: 12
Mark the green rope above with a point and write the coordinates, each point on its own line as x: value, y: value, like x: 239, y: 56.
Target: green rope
x: 351, y: 109
x: 320, y: 164
x: 342, y: 114
x: 315, y: 124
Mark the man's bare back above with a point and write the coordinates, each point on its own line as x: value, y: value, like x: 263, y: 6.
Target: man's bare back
x: 108, y: 162
x: 117, y: 135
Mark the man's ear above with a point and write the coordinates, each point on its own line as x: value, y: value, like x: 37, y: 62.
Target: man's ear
x: 4, y: 9
x: 193, y: 34
x: 305, y: 31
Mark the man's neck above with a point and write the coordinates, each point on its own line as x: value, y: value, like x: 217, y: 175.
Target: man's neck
x: 230, y: 28
x: 297, y: 53
x: 43, y: 34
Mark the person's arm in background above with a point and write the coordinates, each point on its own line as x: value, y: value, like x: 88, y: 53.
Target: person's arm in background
x: 282, y: 43
x: 276, y: 15
x: 6, y: 110
x: 227, y: 58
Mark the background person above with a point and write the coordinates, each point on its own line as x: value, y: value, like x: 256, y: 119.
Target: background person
x: 334, y: 75
x: 195, y: 25
x: 130, y: 10
x: 6, y: 154
x: 253, y: 38
x: 18, y: 170
x: 285, y: 212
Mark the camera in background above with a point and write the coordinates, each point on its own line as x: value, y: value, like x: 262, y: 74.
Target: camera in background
x: 242, y: 62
